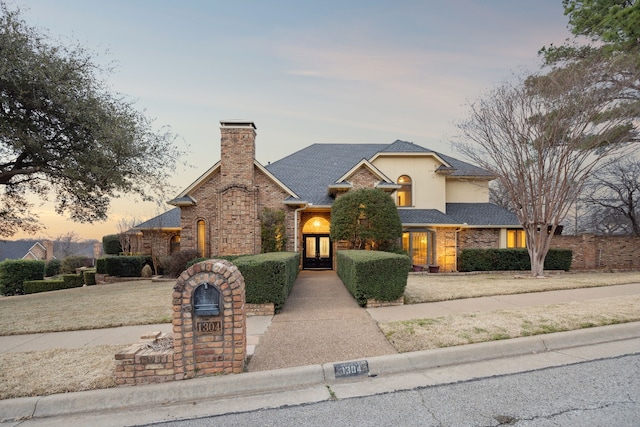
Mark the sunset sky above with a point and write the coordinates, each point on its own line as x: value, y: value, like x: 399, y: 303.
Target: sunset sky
x: 304, y: 71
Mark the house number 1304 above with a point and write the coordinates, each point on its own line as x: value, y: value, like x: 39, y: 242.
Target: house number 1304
x: 209, y: 326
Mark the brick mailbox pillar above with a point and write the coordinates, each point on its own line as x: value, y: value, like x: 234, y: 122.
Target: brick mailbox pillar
x: 209, y: 321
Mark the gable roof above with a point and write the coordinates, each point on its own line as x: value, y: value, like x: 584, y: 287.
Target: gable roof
x: 36, y: 251
x: 184, y: 199
x: 168, y: 220
x: 312, y: 170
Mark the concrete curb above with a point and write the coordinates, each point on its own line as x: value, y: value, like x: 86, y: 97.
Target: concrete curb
x: 460, y: 355
x: 265, y: 382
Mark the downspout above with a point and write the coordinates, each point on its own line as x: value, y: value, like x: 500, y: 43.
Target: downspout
x: 456, y: 238
x: 295, y: 227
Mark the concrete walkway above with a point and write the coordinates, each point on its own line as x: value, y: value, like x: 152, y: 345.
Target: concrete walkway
x: 320, y: 323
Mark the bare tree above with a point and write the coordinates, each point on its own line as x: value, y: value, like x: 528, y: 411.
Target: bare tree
x: 498, y: 195
x: 68, y: 243
x: 614, y: 192
x: 158, y: 241
x: 125, y: 236
x: 542, y: 137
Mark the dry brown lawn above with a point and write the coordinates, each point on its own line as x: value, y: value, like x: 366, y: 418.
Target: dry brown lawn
x: 40, y: 373
x: 91, y: 307
x: 424, y: 334
x: 145, y: 302
x: 438, y: 287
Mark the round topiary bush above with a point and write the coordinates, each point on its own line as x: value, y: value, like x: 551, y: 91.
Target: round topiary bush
x: 52, y: 267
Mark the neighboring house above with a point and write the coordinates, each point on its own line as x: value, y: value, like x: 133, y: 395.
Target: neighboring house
x: 443, y: 202
x: 39, y: 250
x: 48, y: 249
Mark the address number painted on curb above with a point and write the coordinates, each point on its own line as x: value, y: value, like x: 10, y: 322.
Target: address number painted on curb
x: 351, y: 369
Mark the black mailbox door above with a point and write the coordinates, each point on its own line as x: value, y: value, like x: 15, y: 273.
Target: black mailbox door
x: 206, y: 300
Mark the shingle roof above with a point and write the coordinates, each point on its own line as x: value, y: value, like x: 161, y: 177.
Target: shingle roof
x: 15, y: 249
x: 424, y: 217
x: 481, y: 214
x: 470, y: 214
x: 310, y: 171
x: 169, y: 219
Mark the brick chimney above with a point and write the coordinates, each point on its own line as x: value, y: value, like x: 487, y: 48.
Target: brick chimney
x: 238, y: 151
x: 48, y: 250
x: 238, y: 225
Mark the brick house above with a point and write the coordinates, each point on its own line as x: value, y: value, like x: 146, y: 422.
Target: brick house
x: 443, y: 202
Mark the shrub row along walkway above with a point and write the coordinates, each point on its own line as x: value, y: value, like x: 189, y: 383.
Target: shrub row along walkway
x: 320, y: 323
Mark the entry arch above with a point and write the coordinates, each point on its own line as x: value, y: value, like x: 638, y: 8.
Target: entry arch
x: 317, y: 248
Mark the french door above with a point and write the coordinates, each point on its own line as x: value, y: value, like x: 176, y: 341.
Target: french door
x: 317, y: 252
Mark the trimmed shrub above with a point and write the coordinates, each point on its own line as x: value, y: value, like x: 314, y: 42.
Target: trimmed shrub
x: 101, y: 266
x: 366, y: 217
x: 14, y: 272
x: 558, y: 259
x: 89, y: 278
x: 373, y: 274
x: 36, y: 286
x: 111, y: 244
x: 124, y: 266
x: 52, y: 267
x: 73, y: 280
x: 268, y: 277
x: 71, y: 263
x: 510, y: 259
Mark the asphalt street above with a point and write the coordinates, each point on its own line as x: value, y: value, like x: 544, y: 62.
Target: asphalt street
x: 596, y: 393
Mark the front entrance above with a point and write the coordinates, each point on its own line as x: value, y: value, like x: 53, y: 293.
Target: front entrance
x: 317, y: 252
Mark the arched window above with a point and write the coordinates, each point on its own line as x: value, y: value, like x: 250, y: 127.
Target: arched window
x: 316, y: 225
x: 202, y: 237
x: 404, y: 193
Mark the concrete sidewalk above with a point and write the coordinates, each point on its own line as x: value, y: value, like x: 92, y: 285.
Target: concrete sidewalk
x: 498, y: 302
x: 256, y: 327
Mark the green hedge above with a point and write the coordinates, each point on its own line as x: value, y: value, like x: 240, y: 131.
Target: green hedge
x: 14, y: 272
x: 101, y: 266
x: 510, y: 259
x: 124, y: 266
x: 111, y: 244
x: 88, y: 276
x: 269, y: 277
x: 73, y: 280
x: 52, y: 267
x: 35, y: 286
x: 373, y: 274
